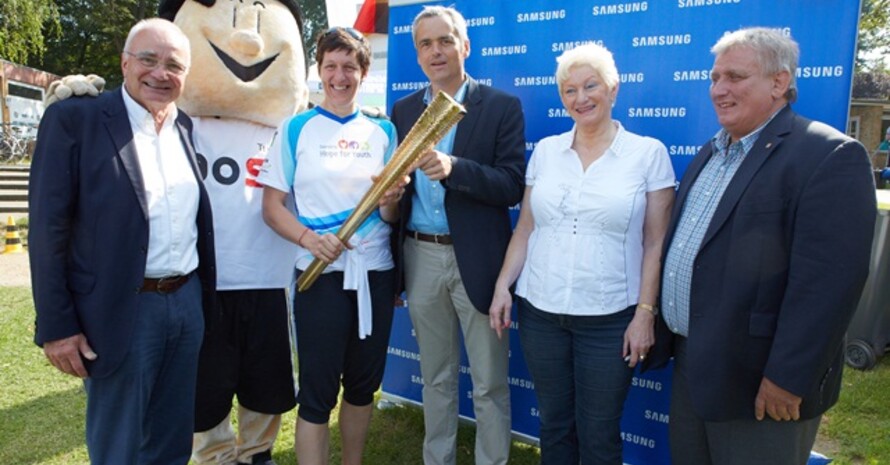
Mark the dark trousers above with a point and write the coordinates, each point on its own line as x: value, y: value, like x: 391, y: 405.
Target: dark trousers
x: 581, y: 382
x: 143, y: 413
x: 746, y: 441
x: 329, y: 351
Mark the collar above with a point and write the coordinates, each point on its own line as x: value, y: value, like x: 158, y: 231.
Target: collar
x: 722, y: 139
x: 616, y: 148
x: 141, y: 118
x: 458, y: 97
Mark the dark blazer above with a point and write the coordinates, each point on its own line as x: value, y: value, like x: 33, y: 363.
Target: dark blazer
x: 487, y: 178
x: 88, y: 237
x: 779, y: 272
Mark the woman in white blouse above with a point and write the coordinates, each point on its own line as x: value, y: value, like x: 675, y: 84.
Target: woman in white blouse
x: 586, y: 252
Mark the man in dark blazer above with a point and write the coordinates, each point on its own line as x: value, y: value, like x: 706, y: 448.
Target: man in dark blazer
x: 766, y: 255
x: 454, y: 232
x: 121, y: 249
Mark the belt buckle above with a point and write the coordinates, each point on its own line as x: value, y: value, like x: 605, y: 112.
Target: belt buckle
x: 163, y: 283
x: 436, y: 239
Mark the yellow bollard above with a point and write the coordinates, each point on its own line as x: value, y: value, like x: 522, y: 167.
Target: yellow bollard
x: 13, y: 241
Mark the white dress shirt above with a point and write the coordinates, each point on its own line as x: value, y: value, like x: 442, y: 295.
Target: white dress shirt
x: 585, y: 255
x: 171, y: 192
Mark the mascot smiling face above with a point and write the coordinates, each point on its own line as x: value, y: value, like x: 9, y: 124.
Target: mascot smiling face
x: 248, y: 60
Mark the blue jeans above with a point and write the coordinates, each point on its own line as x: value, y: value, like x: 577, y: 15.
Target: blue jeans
x: 143, y: 413
x: 581, y: 382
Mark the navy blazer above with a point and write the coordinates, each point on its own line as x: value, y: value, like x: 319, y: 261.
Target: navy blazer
x: 779, y: 272
x: 88, y: 238
x: 487, y: 178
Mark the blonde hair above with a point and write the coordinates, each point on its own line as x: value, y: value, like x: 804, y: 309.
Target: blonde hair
x: 596, y: 56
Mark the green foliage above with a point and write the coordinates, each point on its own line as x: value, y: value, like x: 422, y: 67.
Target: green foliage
x: 315, y: 20
x: 874, y: 35
x: 23, y: 25
x: 92, y: 37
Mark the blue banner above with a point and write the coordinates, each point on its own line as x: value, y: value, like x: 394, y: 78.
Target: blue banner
x: 662, y: 51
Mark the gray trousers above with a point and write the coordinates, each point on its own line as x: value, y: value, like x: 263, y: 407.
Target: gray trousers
x: 440, y: 309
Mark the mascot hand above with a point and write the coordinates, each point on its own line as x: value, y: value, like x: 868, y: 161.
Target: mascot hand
x: 76, y: 85
x: 374, y: 112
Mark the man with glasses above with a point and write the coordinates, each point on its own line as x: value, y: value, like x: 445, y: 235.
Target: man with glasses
x: 122, y: 256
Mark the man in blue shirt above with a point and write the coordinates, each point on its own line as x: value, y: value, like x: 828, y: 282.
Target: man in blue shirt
x: 454, y: 229
x: 765, y: 258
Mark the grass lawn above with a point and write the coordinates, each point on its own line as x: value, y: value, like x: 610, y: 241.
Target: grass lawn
x: 42, y: 411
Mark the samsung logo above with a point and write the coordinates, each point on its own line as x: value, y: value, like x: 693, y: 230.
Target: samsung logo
x: 528, y: 81
x: 684, y: 150
x: 620, y: 8
x: 662, y: 40
x: 557, y: 113
x: 403, y: 353
x: 563, y: 46
x: 484, y: 21
x: 656, y: 416
x: 416, y: 85
x: 520, y: 382
x: 504, y: 50
x: 806, y: 72
x: 696, y: 3
x: 406, y: 29
x: 656, y: 112
x: 537, y: 16
x: 638, y: 440
x: 631, y: 77
x: 646, y: 384
x: 692, y: 75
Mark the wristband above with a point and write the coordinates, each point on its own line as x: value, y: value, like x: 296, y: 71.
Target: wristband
x: 300, y: 239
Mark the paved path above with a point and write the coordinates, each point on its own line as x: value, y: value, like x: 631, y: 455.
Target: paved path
x: 14, y: 269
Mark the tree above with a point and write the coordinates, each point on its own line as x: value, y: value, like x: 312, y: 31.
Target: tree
x: 92, y: 36
x: 23, y: 24
x: 871, y: 85
x: 315, y: 20
x: 874, y: 35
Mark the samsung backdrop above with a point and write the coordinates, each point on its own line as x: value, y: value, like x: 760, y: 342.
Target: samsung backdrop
x: 662, y: 51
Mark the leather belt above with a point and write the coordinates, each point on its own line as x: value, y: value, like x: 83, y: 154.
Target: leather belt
x: 165, y: 285
x: 441, y: 239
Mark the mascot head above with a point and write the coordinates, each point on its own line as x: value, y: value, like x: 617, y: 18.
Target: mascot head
x: 248, y: 60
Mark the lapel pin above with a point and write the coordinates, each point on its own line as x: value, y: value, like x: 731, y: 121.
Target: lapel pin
x: 769, y: 144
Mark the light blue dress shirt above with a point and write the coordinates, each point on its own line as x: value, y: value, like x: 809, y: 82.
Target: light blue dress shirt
x: 698, y: 210
x: 428, y: 202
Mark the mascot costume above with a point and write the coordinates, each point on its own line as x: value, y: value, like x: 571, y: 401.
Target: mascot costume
x: 248, y: 73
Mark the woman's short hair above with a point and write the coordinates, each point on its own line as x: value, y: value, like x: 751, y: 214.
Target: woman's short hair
x: 348, y: 40
x: 776, y: 52
x: 596, y: 56
x: 457, y: 20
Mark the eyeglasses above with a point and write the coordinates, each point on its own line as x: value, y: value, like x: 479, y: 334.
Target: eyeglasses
x: 352, y: 32
x: 150, y: 61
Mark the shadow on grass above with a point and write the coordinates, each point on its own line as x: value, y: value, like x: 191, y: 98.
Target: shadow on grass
x: 42, y: 428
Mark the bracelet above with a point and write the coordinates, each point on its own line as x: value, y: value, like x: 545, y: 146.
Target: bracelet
x: 648, y: 308
x: 300, y: 239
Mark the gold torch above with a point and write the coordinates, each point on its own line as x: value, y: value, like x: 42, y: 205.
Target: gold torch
x: 441, y: 114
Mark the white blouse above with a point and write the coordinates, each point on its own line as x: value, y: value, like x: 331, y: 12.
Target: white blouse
x: 585, y: 254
